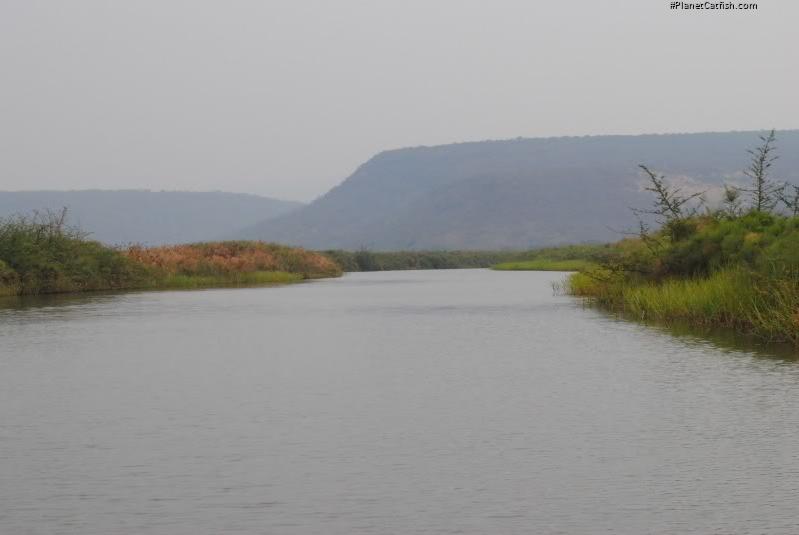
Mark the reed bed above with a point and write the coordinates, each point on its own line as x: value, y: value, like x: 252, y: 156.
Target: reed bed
x: 544, y: 264
x: 737, y: 298
x: 233, y: 261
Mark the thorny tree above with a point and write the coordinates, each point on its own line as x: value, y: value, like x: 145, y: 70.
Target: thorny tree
x: 670, y: 205
x: 789, y: 195
x: 732, y: 202
x: 764, y: 192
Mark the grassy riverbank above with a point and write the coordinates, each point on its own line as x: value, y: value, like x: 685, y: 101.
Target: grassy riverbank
x: 404, y: 260
x: 41, y: 254
x: 741, y: 273
x: 544, y: 264
x: 230, y: 263
x: 567, y: 258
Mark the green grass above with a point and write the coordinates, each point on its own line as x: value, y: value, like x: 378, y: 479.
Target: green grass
x: 6, y: 291
x: 179, y: 281
x: 735, y: 298
x: 544, y: 264
x: 255, y: 278
x: 565, y: 258
x: 365, y: 260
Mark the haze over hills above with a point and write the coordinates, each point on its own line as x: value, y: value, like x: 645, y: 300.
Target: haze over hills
x: 512, y: 194
x: 150, y: 217
x: 517, y: 193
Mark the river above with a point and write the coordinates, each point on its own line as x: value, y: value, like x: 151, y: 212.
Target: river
x: 465, y: 401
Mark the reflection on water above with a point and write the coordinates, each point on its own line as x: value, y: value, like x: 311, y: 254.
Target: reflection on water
x: 408, y: 402
x: 53, y: 301
x: 719, y: 338
x: 730, y: 340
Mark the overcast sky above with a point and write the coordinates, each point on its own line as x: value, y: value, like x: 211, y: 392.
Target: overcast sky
x: 287, y: 98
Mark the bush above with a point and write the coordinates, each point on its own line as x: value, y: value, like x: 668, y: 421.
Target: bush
x: 40, y: 254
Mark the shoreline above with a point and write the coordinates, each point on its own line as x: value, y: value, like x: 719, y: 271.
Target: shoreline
x: 254, y: 279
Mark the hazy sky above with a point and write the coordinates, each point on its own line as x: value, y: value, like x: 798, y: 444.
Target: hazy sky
x: 286, y: 98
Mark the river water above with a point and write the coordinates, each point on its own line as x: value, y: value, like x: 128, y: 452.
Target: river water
x: 463, y: 401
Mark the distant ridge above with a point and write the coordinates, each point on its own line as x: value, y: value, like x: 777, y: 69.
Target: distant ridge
x: 516, y: 193
x: 150, y: 217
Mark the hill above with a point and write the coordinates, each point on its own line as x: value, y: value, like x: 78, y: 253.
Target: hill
x: 519, y: 193
x: 150, y: 217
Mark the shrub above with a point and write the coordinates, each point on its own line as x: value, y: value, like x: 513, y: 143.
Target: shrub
x: 40, y: 254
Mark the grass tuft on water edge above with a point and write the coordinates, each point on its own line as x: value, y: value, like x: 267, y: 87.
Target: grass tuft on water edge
x: 543, y: 264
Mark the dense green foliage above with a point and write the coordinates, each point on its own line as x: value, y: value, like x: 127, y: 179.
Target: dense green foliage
x: 767, y: 243
x: 40, y: 254
x: 738, y: 272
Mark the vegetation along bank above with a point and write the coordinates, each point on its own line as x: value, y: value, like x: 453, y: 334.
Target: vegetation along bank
x: 42, y: 254
x: 365, y: 260
x: 567, y: 258
x: 734, y: 266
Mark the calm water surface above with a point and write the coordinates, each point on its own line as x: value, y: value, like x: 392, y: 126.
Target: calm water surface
x: 403, y: 402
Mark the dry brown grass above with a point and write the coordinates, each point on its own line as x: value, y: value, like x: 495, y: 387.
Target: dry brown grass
x: 232, y: 257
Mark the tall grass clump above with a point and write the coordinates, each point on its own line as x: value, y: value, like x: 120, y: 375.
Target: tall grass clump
x: 231, y: 262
